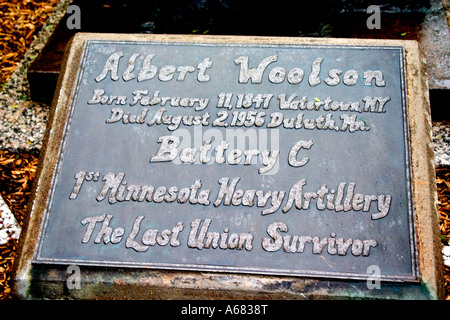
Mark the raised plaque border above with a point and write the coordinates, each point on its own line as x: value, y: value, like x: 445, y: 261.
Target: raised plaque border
x: 414, y: 276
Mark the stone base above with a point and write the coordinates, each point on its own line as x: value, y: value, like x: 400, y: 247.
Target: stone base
x: 32, y: 281
x: 130, y: 284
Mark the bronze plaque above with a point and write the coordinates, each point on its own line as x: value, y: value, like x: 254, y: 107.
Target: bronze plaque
x: 282, y: 159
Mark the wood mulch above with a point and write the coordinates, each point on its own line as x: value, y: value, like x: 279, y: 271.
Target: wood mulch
x: 443, y: 188
x: 20, y: 22
x: 17, y: 173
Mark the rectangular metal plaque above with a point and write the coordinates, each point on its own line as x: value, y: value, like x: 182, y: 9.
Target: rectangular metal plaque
x: 236, y: 157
